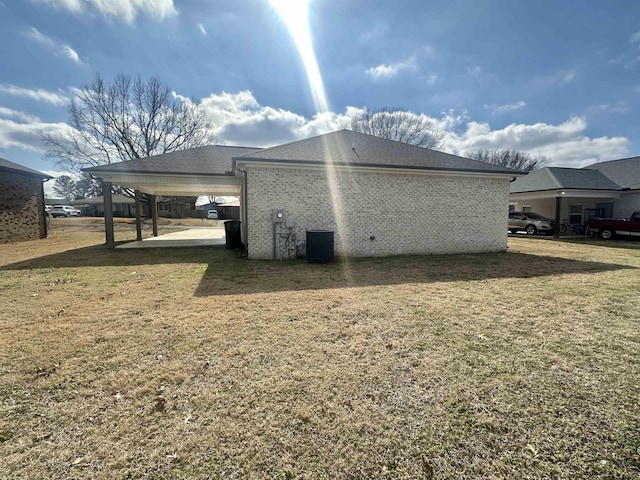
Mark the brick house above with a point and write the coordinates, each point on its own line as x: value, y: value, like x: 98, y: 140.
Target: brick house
x: 22, y: 212
x: 378, y: 196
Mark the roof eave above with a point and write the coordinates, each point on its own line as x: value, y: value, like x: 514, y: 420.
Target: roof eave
x: 514, y: 173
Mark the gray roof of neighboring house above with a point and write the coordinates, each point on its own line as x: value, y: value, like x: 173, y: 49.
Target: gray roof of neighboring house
x: 100, y: 200
x: 346, y: 147
x: 553, y: 178
x: 7, y: 165
x: 625, y: 172
x: 207, y: 160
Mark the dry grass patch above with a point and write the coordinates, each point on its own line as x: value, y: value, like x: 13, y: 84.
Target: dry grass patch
x: 180, y: 363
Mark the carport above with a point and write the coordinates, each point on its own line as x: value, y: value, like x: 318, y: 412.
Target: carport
x: 197, y: 171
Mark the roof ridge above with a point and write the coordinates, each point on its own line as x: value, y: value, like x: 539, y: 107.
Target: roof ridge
x: 553, y: 177
x: 611, y: 161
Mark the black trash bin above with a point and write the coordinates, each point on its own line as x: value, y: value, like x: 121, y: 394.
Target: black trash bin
x: 319, y: 246
x: 233, y: 239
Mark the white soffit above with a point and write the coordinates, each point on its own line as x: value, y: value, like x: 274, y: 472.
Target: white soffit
x: 177, y: 185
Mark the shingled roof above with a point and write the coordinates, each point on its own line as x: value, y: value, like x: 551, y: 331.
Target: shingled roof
x: 207, y: 160
x: 11, y: 166
x: 346, y: 147
x: 625, y: 172
x: 554, y: 178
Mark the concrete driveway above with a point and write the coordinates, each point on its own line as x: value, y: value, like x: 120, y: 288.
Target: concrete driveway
x: 193, y: 237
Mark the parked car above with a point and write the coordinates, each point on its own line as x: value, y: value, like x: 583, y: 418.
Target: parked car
x: 47, y: 209
x: 212, y: 214
x: 530, y: 222
x: 64, y: 211
x: 608, y: 228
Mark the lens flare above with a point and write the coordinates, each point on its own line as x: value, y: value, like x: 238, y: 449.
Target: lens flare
x: 295, y: 15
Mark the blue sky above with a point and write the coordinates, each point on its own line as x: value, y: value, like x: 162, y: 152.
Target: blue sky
x: 558, y: 78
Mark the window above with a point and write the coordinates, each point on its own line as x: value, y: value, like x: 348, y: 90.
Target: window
x: 164, y: 207
x: 526, y: 208
x: 575, y: 214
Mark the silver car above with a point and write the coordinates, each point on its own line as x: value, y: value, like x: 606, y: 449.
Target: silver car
x: 64, y: 211
x: 530, y: 222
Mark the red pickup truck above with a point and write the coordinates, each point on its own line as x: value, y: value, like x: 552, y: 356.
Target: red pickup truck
x: 608, y: 228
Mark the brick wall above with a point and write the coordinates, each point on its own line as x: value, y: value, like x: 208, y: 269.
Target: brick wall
x: 20, y: 204
x: 417, y: 213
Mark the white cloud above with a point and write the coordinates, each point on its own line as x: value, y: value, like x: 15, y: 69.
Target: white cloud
x: 565, y: 144
x: 59, y: 49
x: 7, y: 112
x: 238, y: 119
x: 28, y: 136
x: 37, y: 94
x: 125, y: 10
x: 635, y: 38
x: 202, y: 29
x: 71, y: 54
x: 554, y: 80
x: 509, y: 107
x: 432, y: 79
x: 391, y: 70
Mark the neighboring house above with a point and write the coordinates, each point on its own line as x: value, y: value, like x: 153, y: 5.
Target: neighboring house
x: 626, y: 173
x: 603, y: 189
x: 378, y: 196
x: 94, y: 206
x: 22, y: 212
x: 177, y: 207
x: 226, y: 210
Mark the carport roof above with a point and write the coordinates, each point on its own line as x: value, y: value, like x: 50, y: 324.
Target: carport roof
x: 207, y: 160
x: 346, y: 147
x: 625, y: 172
x: 554, y: 178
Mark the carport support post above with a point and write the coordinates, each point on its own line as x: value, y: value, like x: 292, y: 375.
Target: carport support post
x: 138, y: 219
x: 556, y: 228
x: 108, y: 214
x: 153, y: 205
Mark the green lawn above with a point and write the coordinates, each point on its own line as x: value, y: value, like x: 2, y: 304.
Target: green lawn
x: 195, y: 363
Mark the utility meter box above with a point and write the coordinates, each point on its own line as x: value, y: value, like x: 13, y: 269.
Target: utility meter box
x: 277, y: 216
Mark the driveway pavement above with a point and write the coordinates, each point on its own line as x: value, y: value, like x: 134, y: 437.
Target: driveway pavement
x: 193, y: 237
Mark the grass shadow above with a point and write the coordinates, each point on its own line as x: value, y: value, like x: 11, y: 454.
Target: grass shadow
x: 229, y: 274
x: 265, y: 277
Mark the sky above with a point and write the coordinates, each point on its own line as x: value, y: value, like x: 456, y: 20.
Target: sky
x: 556, y: 78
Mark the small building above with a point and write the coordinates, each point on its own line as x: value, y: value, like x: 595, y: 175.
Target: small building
x: 22, y: 207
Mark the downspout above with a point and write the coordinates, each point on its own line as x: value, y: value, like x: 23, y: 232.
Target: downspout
x: 245, y: 211
x: 44, y: 216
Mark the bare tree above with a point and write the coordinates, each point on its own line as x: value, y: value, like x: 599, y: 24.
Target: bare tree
x: 400, y: 125
x: 124, y: 120
x: 510, y: 159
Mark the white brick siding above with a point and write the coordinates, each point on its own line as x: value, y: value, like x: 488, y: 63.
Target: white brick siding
x: 407, y: 213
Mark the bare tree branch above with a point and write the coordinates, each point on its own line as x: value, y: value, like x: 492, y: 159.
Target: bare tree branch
x: 510, y: 159
x: 124, y: 120
x: 400, y: 125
